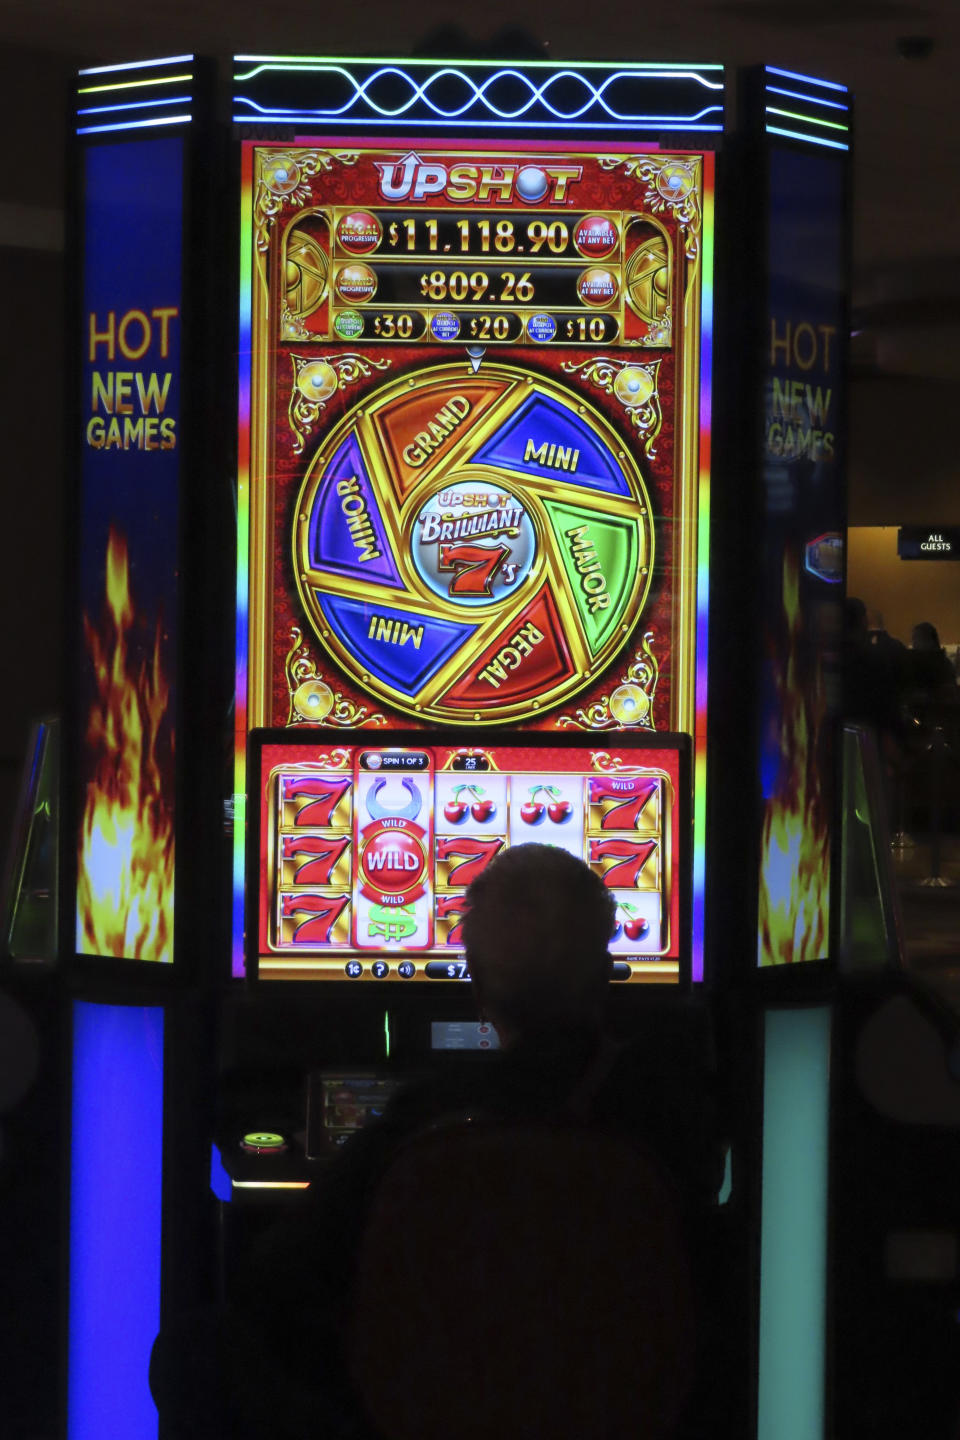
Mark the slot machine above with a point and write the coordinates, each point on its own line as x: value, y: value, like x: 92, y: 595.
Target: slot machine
x: 424, y: 508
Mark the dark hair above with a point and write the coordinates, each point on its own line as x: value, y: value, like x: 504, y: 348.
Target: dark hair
x: 925, y: 636
x: 536, y: 932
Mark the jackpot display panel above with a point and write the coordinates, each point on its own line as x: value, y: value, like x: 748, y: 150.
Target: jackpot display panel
x: 474, y: 435
x: 362, y: 851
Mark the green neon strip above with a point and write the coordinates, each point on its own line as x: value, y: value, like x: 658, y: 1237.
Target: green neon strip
x: 807, y: 119
x: 793, y: 1233
x: 386, y: 1033
x: 133, y: 84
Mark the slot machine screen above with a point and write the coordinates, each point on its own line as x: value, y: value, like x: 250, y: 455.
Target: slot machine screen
x: 361, y: 851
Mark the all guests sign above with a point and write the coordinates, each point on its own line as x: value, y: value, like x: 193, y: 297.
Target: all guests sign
x: 928, y: 542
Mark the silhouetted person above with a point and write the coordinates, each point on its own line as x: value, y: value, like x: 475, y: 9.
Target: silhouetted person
x: 932, y: 678
x: 536, y: 932
x: 873, y: 676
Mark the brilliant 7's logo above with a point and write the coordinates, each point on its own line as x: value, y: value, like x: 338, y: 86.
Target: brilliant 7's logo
x: 309, y: 919
x: 312, y: 799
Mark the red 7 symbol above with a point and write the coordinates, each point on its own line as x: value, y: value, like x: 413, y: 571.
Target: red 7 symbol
x: 633, y: 795
x: 474, y: 566
x: 477, y: 856
x: 452, y: 905
x: 320, y: 853
x: 627, y: 872
x: 326, y: 793
x: 320, y: 913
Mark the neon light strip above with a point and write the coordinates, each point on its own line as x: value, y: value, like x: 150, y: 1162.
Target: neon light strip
x: 476, y: 120
x: 808, y: 79
x: 116, y: 1182
x: 703, y: 588
x: 810, y: 99
x: 277, y: 112
x: 811, y: 139
x: 313, y: 62
x: 793, y: 1228
x: 807, y: 119
x: 134, y: 124
x: 386, y: 1033
x: 537, y: 93
x: 134, y: 84
x: 271, y: 1184
x: 136, y: 65
x: 136, y: 105
x: 245, y: 344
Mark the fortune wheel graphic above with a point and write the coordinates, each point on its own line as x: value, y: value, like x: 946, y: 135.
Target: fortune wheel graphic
x: 473, y: 547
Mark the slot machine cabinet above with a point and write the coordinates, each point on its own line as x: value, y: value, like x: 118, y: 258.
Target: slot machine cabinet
x: 423, y: 399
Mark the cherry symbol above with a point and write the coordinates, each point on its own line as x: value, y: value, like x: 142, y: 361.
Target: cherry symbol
x: 559, y: 811
x: 636, y: 927
x: 532, y: 812
x: 454, y: 811
x: 482, y: 810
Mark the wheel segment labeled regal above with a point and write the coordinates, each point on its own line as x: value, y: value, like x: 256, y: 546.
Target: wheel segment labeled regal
x: 473, y: 546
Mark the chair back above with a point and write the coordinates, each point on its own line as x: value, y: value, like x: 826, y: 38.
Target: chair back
x: 524, y: 1283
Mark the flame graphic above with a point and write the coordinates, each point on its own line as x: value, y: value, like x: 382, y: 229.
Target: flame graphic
x: 794, y: 911
x: 126, y: 846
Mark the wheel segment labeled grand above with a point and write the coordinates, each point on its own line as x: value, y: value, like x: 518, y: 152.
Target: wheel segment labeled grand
x: 473, y: 546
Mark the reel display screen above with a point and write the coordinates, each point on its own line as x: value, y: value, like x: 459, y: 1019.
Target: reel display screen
x: 364, y: 850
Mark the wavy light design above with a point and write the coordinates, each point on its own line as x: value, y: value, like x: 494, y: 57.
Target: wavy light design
x: 538, y: 96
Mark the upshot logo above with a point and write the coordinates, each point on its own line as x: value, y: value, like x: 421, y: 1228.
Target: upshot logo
x: 488, y: 182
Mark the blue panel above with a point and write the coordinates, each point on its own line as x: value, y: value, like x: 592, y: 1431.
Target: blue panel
x: 334, y: 545
x: 406, y: 663
x: 220, y: 1182
x: 793, y: 1236
x: 116, y: 1167
x: 542, y: 422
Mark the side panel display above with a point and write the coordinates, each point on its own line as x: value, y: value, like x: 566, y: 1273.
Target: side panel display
x: 129, y: 505
x: 471, y: 435
x: 802, y: 551
x: 366, y: 852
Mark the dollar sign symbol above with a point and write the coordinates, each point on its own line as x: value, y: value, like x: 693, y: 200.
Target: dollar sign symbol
x: 424, y: 284
x: 393, y: 234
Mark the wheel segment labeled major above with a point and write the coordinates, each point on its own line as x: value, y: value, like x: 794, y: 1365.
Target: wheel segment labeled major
x: 473, y: 546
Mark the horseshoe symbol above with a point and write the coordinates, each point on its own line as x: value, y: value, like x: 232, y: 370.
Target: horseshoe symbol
x: 410, y: 811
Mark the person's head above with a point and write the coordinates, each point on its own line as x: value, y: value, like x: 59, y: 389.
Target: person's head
x: 855, y: 617
x: 925, y: 637
x: 536, y: 932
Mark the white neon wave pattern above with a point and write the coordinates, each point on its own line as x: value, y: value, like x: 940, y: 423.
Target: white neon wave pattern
x: 478, y: 105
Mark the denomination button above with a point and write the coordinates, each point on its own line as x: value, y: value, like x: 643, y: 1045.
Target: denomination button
x: 353, y: 968
x: 621, y: 970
